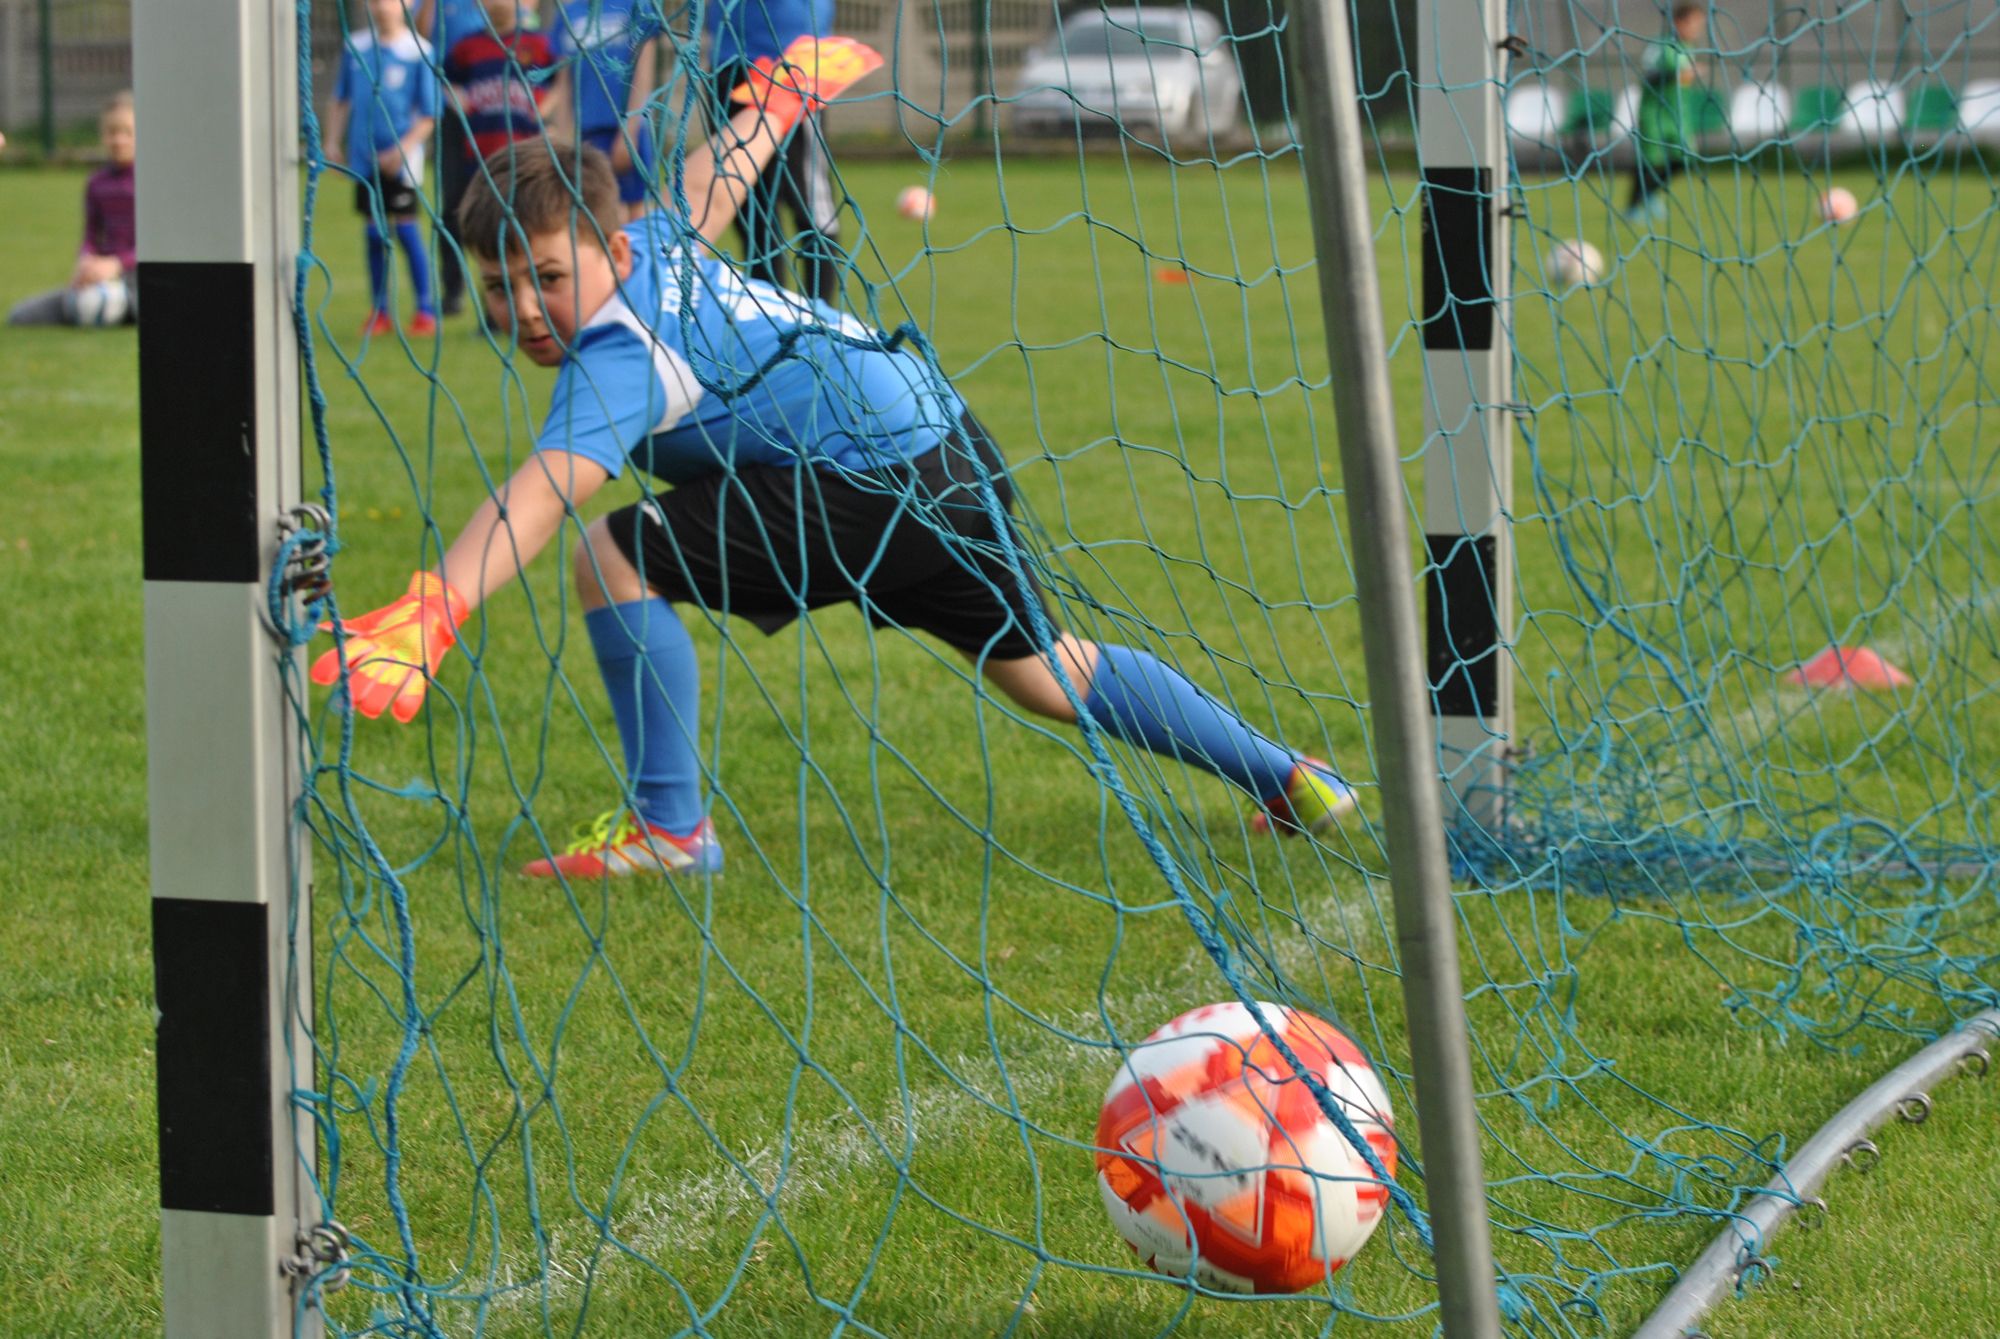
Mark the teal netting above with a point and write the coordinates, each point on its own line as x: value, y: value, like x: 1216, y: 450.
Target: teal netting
x: 851, y: 1085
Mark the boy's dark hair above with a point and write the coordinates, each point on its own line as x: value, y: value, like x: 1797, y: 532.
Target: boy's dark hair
x: 537, y: 186
x: 1689, y: 8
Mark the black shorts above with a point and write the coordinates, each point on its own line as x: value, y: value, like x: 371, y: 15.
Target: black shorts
x: 399, y: 197
x: 913, y: 545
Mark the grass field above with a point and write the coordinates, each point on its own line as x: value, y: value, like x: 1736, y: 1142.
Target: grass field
x: 853, y: 1082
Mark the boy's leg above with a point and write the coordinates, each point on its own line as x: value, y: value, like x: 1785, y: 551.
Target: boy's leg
x: 416, y: 254
x: 54, y: 307
x: 648, y: 663
x: 378, y: 268
x: 1143, y: 700
x: 806, y: 183
x: 454, y: 175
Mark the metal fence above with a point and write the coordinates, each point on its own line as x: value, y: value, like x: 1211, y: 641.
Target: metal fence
x: 1569, y: 44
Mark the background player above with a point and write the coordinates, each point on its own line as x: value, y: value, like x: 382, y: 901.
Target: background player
x: 109, y: 253
x: 444, y: 24
x: 809, y: 466
x: 499, y: 76
x: 1660, y: 140
x: 385, y: 104
x: 609, y: 51
x: 810, y: 259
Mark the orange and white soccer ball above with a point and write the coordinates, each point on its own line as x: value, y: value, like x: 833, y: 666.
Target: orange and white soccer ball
x: 1838, y: 205
x: 1216, y: 1161
x: 916, y: 203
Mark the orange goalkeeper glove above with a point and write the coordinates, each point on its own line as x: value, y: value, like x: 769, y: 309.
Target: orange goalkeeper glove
x: 810, y: 73
x: 394, y: 652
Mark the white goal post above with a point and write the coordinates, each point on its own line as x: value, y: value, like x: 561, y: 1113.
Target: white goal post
x: 215, y: 87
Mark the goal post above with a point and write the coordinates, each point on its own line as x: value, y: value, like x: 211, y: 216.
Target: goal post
x: 1322, y: 48
x: 1468, y: 473
x: 215, y: 88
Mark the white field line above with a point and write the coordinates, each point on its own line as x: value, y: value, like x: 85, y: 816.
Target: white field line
x: 661, y: 1221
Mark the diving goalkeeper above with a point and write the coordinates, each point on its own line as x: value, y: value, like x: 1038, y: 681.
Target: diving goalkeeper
x: 808, y: 464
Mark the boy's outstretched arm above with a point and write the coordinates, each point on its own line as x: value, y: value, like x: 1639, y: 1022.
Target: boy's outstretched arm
x: 779, y: 94
x: 394, y: 652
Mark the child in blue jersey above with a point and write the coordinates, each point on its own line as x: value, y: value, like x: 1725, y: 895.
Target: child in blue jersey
x: 798, y: 180
x: 607, y: 49
x: 808, y: 466
x: 385, y: 103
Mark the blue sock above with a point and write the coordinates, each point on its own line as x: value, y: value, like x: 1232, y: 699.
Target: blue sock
x: 1144, y: 701
x: 378, y: 269
x: 420, y: 263
x: 647, y: 660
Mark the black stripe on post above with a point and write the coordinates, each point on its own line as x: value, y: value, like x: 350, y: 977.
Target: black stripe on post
x: 211, y: 983
x: 1463, y: 633
x: 198, y: 421
x: 1458, y: 246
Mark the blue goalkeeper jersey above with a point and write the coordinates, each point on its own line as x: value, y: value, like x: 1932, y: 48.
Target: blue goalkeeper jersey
x: 692, y: 369
x: 749, y: 30
x: 599, y: 41
x: 388, y: 87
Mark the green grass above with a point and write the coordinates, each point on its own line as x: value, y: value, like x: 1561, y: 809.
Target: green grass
x: 895, y: 1011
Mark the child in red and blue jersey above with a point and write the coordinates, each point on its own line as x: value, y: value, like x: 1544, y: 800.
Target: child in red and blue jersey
x: 385, y: 105
x: 501, y: 79
x: 607, y: 48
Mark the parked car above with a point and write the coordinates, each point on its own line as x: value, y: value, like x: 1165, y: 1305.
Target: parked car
x: 1155, y: 71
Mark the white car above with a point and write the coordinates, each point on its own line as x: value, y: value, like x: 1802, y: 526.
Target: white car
x: 1168, y: 71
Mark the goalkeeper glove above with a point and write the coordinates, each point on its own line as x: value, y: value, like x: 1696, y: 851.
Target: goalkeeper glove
x: 394, y: 652
x: 810, y: 73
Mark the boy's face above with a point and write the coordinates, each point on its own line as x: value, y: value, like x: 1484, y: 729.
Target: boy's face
x: 387, y: 14
x: 547, y: 294
x: 1691, y: 26
x: 119, y: 135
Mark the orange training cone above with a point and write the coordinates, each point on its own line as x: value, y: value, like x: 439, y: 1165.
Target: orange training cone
x: 1849, y: 667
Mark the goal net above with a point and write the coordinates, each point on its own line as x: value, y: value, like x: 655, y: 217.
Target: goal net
x: 851, y: 1083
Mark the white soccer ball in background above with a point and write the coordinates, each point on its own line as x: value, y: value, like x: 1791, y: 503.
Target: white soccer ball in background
x: 916, y: 203
x: 1838, y: 205
x: 1575, y: 262
x: 102, y: 304
x: 1215, y: 1159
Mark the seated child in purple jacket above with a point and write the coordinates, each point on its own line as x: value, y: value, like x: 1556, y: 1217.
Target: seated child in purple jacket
x: 102, y: 289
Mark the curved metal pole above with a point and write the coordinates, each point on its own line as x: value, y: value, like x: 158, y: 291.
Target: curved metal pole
x: 1329, y: 119
x: 1742, y: 1243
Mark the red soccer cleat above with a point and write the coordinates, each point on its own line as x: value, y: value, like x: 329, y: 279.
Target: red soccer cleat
x: 381, y: 323
x: 422, y: 326
x: 1313, y: 801
x: 621, y: 843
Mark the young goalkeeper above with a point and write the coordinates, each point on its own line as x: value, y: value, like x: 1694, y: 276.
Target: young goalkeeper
x: 808, y: 467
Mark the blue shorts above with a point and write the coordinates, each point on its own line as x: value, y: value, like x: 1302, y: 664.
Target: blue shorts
x: 633, y: 185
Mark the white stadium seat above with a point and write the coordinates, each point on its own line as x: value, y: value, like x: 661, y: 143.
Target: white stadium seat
x: 1873, y: 111
x: 1759, y: 112
x: 1535, y: 114
x: 1979, y: 108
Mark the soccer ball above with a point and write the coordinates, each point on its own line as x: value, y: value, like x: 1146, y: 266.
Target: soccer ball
x: 1575, y: 262
x: 1215, y: 1160
x: 1838, y: 205
x: 103, y: 303
x: 916, y: 203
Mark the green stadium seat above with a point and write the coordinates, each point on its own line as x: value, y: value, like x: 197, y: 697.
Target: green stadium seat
x: 1817, y: 108
x: 1935, y: 109
x: 1710, y: 116
x: 1590, y: 113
